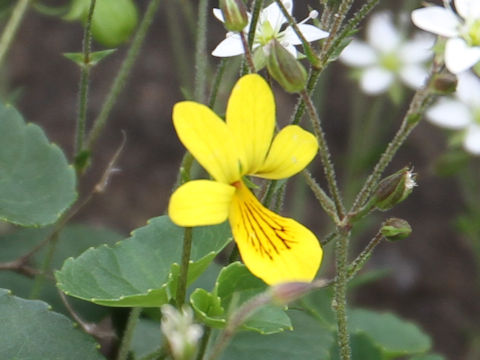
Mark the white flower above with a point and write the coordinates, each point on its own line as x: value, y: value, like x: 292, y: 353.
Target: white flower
x: 461, y: 112
x: 462, y: 28
x: 269, y: 26
x: 386, y: 56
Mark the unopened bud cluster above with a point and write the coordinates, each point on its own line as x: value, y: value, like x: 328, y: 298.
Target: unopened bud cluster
x: 395, y: 229
x: 393, y: 189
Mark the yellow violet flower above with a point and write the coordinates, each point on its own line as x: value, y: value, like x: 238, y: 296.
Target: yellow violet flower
x: 274, y: 248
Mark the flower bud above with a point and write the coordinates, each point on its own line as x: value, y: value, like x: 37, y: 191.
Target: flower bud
x: 393, y: 189
x: 395, y: 229
x: 284, y: 68
x: 285, y: 293
x: 181, y: 332
x: 234, y: 14
x: 444, y: 84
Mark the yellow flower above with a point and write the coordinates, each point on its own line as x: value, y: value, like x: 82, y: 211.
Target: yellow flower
x: 274, y: 248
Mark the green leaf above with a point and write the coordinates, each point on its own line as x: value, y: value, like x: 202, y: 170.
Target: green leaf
x: 95, y: 57
x: 363, y: 348
x: 141, y: 270
x: 308, y: 340
x: 236, y: 285
x: 29, y: 331
x: 428, y: 357
x: 36, y: 183
x: 147, y: 338
x: 396, y: 337
x: 72, y: 241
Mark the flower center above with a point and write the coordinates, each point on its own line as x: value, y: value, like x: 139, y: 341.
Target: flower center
x: 266, y: 33
x: 390, y: 62
x: 472, y: 35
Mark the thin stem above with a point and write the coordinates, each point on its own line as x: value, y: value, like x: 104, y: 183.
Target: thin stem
x: 84, y: 82
x: 123, y: 73
x: 182, y: 279
x: 248, y: 53
x: 256, y: 8
x: 204, y: 343
x: 47, y: 263
x: 339, y: 16
x: 12, y: 27
x: 128, y: 333
x: 309, y: 52
x: 271, y: 188
x: 200, y: 52
x: 340, y: 304
x: 300, y: 106
x: 409, y: 122
x: 363, y: 257
x: 324, y: 200
x: 216, y: 83
x: 324, y: 154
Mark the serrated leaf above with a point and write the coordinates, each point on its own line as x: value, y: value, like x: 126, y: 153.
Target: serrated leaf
x: 72, y: 241
x: 36, y: 183
x: 308, y: 340
x: 236, y: 285
x: 139, y: 271
x: 95, y: 57
x: 30, y: 331
x: 395, y: 336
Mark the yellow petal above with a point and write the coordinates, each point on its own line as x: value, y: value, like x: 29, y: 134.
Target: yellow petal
x: 200, y: 202
x: 251, y: 118
x: 292, y: 150
x: 208, y: 138
x: 274, y: 248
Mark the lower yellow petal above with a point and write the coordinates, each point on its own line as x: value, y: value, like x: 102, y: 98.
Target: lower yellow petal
x: 274, y: 248
x: 292, y: 150
x: 200, y: 202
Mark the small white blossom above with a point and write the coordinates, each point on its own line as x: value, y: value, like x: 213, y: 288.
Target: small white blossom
x: 461, y: 112
x: 269, y: 27
x: 180, y: 331
x: 386, y: 56
x: 461, y: 28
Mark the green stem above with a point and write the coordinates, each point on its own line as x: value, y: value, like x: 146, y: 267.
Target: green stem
x: 204, y: 343
x: 128, y: 334
x: 12, y: 27
x: 409, y: 122
x: 339, y: 16
x: 362, y: 258
x: 47, y: 263
x: 183, y: 277
x: 200, y: 52
x: 248, y: 53
x: 300, y: 106
x: 309, y: 52
x: 257, y: 7
x: 271, y: 187
x: 324, y: 200
x: 216, y: 83
x: 84, y: 82
x: 340, y: 304
x: 324, y: 154
x: 123, y: 73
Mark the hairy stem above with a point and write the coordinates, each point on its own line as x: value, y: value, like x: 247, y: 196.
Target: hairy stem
x: 123, y: 73
x: 84, y: 82
x: 128, y: 334
x: 200, y: 52
x: 12, y: 27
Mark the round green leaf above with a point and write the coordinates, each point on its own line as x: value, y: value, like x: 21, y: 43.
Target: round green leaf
x: 141, y: 270
x: 308, y: 340
x: 30, y: 331
x: 395, y: 336
x: 36, y: 183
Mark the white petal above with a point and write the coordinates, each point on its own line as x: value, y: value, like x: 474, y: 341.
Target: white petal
x: 468, y: 89
x: 381, y: 33
x: 437, y: 20
x: 273, y: 14
x: 310, y: 33
x: 218, y: 14
x: 459, y: 56
x: 376, y: 80
x: 414, y: 76
x: 358, y: 54
x: 472, y: 140
x: 450, y: 114
x: 417, y: 50
x: 231, y: 46
x: 468, y: 9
